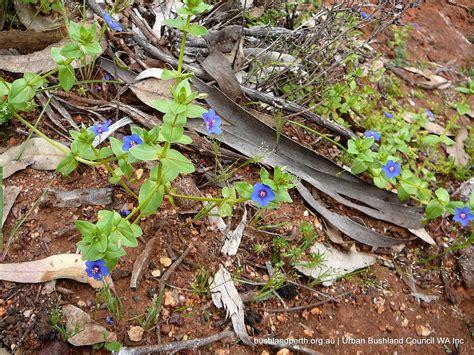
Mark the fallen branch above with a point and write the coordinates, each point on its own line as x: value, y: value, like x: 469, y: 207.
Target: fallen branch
x: 177, y: 346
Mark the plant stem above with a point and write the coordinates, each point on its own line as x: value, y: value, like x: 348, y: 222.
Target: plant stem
x: 183, y: 45
x: 207, y: 199
x: 318, y: 134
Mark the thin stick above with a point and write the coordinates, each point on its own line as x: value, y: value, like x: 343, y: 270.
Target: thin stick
x: 311, y: 305
x: 179, y: 345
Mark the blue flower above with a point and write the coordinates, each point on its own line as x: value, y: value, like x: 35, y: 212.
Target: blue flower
x: 430, y: 114
x: 388, y: 114
x: 124, y: 212
x: 114, y: 25
x: 212, y: 121
x: 131, y: 141
x: 371, y: 133
x: 365, y: 16
x: 262, y: 194
x: 96, y: 269
x: 391, y: 169
x: 109, y: 320
x: 101, y: 127
x: 107, y: 76
x: 463, y: 215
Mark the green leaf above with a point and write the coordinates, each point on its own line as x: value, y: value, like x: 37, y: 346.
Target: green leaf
x: 448, y: 141
x: 170, y: 133
x: 358, y: 166
x: 116, y: 146
x: 20, y: 92
x: 177, y: 163
x: 67, y: 77
x: 462, y: 108
x: 154, y: 199
x: 71, y: 51
x: 244, y: 189
x: 402, y: 194
x: 57, y: 56
x: 176, y: 23
x: 93, y: 49
x: 434, y: 209
x: 113, y: 346
x: 162, y: 105
x: 85, y: 228
x: 380, y: 181
x: 430, y: 139
x: 225, y: 210
x: 124, y: 233
x: 197, y: 30
x: 442, y: 195
x: 145, y: 152
x: 67, y: 165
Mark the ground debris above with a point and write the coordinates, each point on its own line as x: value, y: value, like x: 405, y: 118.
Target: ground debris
x: 79, y: 197
x: 89, y: 333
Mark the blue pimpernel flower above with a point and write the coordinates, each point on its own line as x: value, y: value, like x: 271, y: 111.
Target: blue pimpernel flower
x: 109, y: 320
x: 131, y: 141
x: 113, y: 24
x: 371, y: 133
x: 388, y: 114
x: 96, y: 269
x: 262, y: 194
x: 212, y: 121
x: 101, y: 127
x: 391, y: 169
x: 365, y: 16
x: 124, y: 212
x: 107, y: 76
x: 430, y: 114
x: 463, y: 215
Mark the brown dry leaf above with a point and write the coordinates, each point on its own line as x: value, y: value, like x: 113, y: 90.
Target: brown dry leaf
x: 457, y: 150
x: 37, y: 152
x: 220, y: 69
x: 429, y: 126
x: 61, y: 266
x: 89, y: 333
x: 151, y: 89
x: 423, y: 235
x: 10, y: 193
x: 432, y: 81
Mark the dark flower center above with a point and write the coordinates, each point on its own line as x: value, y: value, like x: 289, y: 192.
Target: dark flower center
x: 212, y: 122
x: 95, y: 269
x: 100, y: 130
x: 391, y: 169
x: 463, y: 215
x: 262, y: 193
x: 133, y: 143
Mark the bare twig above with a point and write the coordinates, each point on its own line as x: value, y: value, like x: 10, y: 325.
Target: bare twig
x: 311, y: 305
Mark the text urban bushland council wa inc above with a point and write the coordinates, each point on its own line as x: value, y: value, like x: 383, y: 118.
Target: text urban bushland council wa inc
x: 363, y: 341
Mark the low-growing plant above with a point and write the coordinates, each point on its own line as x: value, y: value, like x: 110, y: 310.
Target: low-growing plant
x: 106, y: 239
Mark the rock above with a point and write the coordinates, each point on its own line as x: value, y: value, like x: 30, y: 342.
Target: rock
x: 156, y: 273
x: 284, y: 351
x: 81, y: 303
x: 90, y: 332
x: 165, y: 329
x: 135, y: 333
x: 56, y: 347
x: 136, y: 298
x: 422, y: 330
x: 150, y: 292
x: 315, y: 311
x: 186, y: 186
x: 465, y: 190
x: 27, y: 313
x: 170, y: 299
x: 466, y: 265
x: 165, y: 261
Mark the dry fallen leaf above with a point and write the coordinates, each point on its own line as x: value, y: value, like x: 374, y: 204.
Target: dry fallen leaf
x: 31, y: 19
x: 457, y: 150
x: 84, y: 330
x: 423, y: 235
x: 142, y: 262
x: 233, y: 237
x: 151, y: 89
x: 10, y: 193
x: 334, y: 263
x: 225, y: 295
x: 37, y: 152
x: 61, y: 266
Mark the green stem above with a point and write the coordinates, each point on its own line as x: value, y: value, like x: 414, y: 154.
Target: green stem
x: 207, y: 199
x: 318, y: 134
x: 183, y: 45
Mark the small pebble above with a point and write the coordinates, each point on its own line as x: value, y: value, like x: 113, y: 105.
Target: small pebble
x: 136, y: 298
x: 135, y: 333
x: 165, y: 261
x: 156, y: 273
